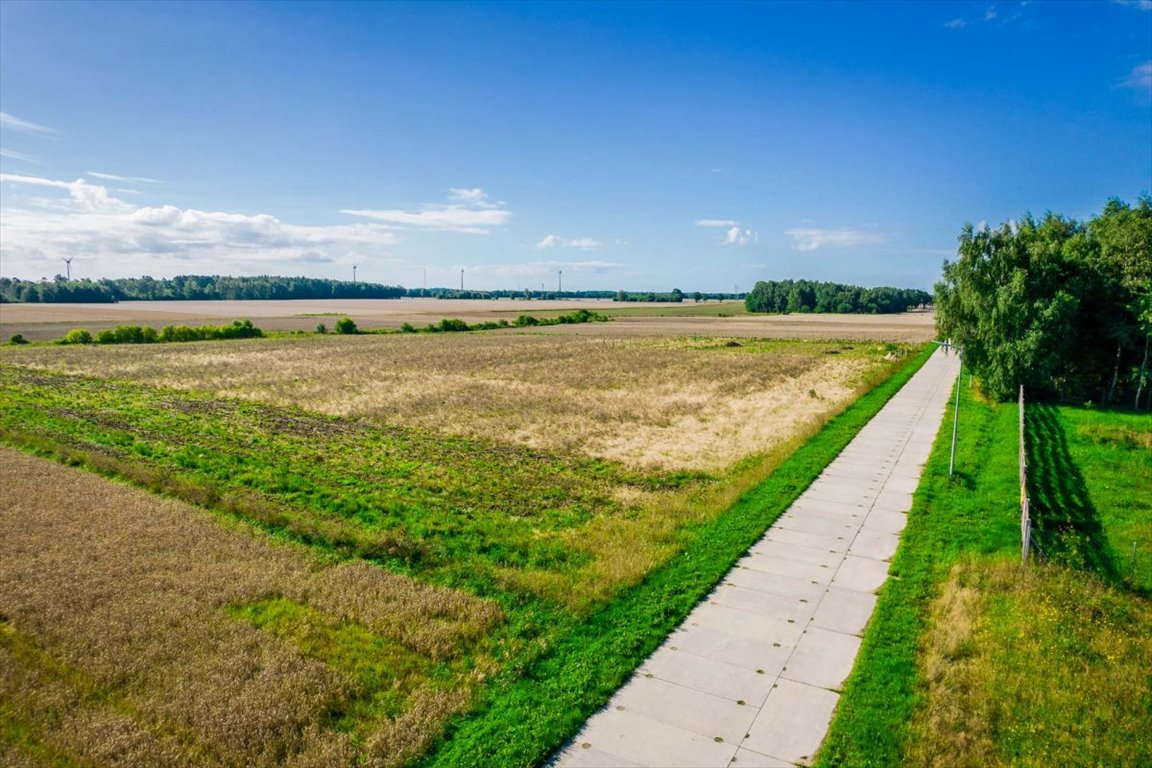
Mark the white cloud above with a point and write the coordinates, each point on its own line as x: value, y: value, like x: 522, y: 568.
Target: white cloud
x: 583, y: 243
x: 90, y: 197
x: 114, y: 177
x: 122, y: 238
x: 1143, y: 5
x: 734, y: 234
x: 990, y: 13
x: 1140, y: 78
x: 25, y: 126
x: 814, y: 239
x: 13, y: 155
x: 468, y: 213
x: 738, y: 236
x: 475, y: 196
x: 956, y: 24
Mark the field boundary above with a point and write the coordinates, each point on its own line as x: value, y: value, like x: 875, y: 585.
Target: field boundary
x: 522, y: 719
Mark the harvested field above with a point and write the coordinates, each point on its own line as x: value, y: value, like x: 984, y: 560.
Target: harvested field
x: 49, y: 321
x: 129, y: 636
x: 52, y: 321
x: 651, y: 402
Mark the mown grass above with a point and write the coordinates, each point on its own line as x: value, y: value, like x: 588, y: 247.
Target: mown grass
x: 972, y: 660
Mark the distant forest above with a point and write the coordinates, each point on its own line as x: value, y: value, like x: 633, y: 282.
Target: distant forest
x: 204, y: 287
x: 811, y: 296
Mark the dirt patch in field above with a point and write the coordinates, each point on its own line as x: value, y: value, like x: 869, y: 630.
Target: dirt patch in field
x: 118, y: 643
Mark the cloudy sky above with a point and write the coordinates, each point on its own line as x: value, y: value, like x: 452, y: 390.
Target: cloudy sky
x: 638, y: 145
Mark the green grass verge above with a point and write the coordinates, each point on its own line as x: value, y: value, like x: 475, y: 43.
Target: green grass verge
x: 1081, y: 462
x: 527, y: 714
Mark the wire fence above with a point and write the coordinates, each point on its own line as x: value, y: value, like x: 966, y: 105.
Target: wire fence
x: 1025, y: 506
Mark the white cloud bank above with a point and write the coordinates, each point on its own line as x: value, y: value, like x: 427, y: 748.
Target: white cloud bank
x: 814, y: 239
x: 583, y: 243
x: 469, y: 211
x: 122, y: 238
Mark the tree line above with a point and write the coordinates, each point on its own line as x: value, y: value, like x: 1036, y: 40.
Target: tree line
x: 190, y: 288
x: 217, y: 287
x: 1060, y: 306
x: 810, y: 296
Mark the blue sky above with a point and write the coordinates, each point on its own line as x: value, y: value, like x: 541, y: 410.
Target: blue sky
x: 638, y: 145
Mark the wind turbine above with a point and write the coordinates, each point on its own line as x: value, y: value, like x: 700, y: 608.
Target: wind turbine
x: 68, y: 266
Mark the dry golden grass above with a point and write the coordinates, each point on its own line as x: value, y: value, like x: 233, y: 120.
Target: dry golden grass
x: 672, y: 403
x: 1035, y: 667
x: 117, y: 646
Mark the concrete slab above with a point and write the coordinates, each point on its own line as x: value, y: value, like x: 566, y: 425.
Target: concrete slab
x: 811, y: 524
x: 882, y: 521
x: 861, y: 574
x: 823, y: 508
x: 751, y: 626
x: 893, y: 501
x: 578, y: 756
x: 764, y: 657
x: 746, y: 758
x: 827, y: 490
x: 796, y: 553
x: 792, y: 722
x: 874, y: 544
x: 719, y: 679
x: 802, y: 589
x: 813, y: 540
x: 814, y: 573
x: 686, y: 708
x: 645, y: 741
x: 844, y: 610
x: 790, y: 609
x: 822, y: 658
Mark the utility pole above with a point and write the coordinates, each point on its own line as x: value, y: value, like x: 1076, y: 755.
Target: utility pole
x: 956, y: 413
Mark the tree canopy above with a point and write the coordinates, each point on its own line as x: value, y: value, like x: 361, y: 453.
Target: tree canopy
x: 1059, y: 306
x: 811, y: 296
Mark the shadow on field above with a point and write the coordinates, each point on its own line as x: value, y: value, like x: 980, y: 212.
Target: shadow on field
x: 1065, y: 523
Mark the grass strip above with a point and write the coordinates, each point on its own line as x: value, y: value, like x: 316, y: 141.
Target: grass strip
x: 1081, y: 460
x: 524, y: 717
x: 974, y: 510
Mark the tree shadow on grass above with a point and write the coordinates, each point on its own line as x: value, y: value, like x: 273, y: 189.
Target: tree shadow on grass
x: 1065, y: 523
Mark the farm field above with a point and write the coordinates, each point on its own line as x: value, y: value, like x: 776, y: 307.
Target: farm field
x: 972, y: 659
x: 39, y: 322
x: 529, y: 492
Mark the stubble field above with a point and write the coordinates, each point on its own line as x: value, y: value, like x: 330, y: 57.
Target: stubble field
x: 464, y: 505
